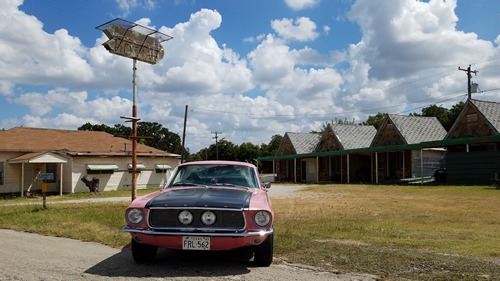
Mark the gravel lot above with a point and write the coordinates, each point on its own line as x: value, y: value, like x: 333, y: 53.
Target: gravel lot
x: 30, y: 257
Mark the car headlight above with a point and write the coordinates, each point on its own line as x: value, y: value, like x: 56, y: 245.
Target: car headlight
x: 135, y: 216
x: 185, y: 217
x: 208, y: 218
x: 262, y: 218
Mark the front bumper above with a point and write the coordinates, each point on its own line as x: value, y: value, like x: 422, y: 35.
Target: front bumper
x: 218, y: 240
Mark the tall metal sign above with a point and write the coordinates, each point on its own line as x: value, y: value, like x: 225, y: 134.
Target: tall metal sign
x: 132, y: 40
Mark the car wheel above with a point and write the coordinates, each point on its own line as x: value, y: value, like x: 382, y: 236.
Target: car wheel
x: 263, y: 255
x: 143, y: 253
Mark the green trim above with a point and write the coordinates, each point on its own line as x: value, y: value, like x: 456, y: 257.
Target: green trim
x: 399, y: 147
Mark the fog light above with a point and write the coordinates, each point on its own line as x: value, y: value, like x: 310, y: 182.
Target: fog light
x: 257, y: 241
x: 137, y: 239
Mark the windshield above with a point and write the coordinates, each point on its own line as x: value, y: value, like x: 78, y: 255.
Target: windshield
x: 214, y: 174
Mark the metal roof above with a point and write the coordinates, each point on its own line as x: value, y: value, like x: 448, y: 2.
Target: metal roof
x: 400, y: 147
x: 303, y: 142
x: 354, y: 136
x: 490, y: 110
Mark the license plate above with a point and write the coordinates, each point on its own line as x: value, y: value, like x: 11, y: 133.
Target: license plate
x: 195, y: 243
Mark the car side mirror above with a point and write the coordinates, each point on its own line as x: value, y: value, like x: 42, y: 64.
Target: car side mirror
x: 266, y: 185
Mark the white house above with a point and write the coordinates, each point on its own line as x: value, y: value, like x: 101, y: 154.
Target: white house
x: 61, y: 158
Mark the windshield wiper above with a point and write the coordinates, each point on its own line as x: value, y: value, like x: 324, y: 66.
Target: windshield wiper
x: 187, y: 184
x: 224, y: 184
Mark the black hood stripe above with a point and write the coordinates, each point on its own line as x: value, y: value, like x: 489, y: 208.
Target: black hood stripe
x: 221, y: 198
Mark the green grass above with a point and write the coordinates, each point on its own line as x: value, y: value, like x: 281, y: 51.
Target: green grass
x: 395, y: 232
x: 12, y: 199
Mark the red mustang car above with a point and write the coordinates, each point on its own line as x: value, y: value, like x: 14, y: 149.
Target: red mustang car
x: 205, y: 206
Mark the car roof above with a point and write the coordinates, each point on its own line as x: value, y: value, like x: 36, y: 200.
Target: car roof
x: 219, y: 162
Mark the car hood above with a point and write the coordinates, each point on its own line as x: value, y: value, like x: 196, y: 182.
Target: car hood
x: 206, y: 197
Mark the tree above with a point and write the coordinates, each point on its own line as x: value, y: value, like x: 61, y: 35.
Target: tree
x: 247, y: 152
x: 155, y: 135
x: 101, y: 128
x: 454, y: 112
x: 275, y: 144
x: 159, y: 137
x: 441, y: 113
x: 445, y: 116
x: 375, y: 120
x: 336, y: 121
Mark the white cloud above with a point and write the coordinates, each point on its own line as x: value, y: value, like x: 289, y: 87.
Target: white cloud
x: 301, y: 4
x: 127, y: 6
x: 30, y: 55
x: 409, y: 51
x: 395, y: 33
x: 302, y: 29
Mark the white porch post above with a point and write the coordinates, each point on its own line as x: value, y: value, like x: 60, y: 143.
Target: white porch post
x: 61, y: 179
x: 22, y: 180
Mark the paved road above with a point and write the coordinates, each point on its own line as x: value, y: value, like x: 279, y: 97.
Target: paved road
x: 32, y: 257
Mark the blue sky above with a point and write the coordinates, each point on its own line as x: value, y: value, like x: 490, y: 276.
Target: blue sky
x: 249, y: 68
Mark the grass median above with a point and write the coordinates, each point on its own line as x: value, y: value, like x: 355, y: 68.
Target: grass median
x: 395, y: 232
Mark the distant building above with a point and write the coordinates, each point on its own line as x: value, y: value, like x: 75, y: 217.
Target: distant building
x: 297, y: 143
x: 406, y: 163
x: 474, y: 162
x: 61, y: 158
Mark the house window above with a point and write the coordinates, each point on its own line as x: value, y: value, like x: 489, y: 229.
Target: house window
x: 51, y: 168
x: 1, y: 173
x: 162, y: 168
x: 138, y: 167
x: 101, y: 169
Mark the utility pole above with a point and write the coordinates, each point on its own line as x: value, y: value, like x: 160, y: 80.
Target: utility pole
x: 469, y: 77
x: 184, y: 134
x: 216, y: 143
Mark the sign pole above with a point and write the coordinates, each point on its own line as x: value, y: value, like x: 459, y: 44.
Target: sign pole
x: 137, y: 42
x: 134, y: 132
x: 44, y: 190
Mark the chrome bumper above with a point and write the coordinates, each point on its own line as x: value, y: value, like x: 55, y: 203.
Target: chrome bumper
x: 211, y: 234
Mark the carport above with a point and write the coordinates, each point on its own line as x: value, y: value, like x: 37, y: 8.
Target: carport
x: 30, y: 160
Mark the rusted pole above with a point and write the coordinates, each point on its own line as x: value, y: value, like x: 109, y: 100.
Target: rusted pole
x: 134, y: 133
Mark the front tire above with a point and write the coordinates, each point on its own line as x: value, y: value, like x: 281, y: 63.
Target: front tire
x: 263, y: 253
x: 143, y: 253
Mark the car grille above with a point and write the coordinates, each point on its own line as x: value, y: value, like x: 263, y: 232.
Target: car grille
x: 167, y: 219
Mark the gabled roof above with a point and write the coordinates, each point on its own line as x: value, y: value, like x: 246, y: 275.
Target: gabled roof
x: 39, y: 157
x: 354, y: 136
x: 22, y: 139
x: 301, y: 142
x: 490, y: 112
x: 412, y: 129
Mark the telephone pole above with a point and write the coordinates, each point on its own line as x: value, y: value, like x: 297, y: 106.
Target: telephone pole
x: 469, y: 77
x: 216, y: 143
x: 184, y: 134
